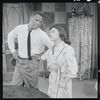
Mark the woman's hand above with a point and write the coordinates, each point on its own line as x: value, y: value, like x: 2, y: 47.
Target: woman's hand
x: 53, y: 67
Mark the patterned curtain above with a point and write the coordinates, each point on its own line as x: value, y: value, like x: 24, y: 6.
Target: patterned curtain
x: 80, y: 34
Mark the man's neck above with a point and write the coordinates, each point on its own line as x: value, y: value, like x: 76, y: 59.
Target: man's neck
x: 30, y: 29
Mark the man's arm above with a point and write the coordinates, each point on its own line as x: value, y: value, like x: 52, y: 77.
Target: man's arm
x: 47, y: 40
x: 38, y: 56
x: 11, y: 44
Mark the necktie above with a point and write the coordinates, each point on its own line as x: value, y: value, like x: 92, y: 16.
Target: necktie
x: 29, y: 46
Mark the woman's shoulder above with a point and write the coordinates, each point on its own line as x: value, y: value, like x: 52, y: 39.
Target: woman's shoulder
x: 68, y: 48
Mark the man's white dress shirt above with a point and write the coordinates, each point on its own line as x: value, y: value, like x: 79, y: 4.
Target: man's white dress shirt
x: 38, y: 40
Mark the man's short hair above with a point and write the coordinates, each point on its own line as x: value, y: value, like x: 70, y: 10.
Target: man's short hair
x: 37, y: 12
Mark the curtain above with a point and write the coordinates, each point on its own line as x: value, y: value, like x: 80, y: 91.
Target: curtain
x: 80, y: 34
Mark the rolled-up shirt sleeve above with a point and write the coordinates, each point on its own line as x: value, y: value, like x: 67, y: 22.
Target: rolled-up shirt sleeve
x: 47, y: 41
x: 10, y: 39
x: 72, y: 68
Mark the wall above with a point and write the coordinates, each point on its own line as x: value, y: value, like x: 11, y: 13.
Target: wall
x: 12, y: 16
x: 95, y: 41
x: 57, y: 13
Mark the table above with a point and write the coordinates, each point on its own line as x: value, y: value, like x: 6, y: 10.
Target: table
x: 11, y: 91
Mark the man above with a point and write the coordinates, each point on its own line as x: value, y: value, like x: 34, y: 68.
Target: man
x: 27, y: 70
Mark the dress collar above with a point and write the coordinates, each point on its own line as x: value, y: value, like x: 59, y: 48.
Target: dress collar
x: 58, y: 50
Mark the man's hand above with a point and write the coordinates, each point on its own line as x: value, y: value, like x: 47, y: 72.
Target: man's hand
x: 38, y: 57
x: 15, y: 55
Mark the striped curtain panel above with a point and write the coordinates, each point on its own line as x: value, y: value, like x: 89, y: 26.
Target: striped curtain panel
x: 80, y: 34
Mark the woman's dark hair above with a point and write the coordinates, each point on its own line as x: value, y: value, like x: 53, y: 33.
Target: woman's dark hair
x: 62, y: 33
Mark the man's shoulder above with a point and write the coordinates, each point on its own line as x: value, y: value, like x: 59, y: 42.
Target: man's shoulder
x: 21, y: 25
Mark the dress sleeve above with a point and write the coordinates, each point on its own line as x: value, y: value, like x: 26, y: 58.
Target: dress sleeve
x: 72, y: 68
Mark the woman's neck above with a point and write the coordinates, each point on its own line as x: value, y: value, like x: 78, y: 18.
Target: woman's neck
x: 57, y: 42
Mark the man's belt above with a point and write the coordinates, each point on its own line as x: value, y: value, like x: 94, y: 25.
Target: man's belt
x: 34, y: 56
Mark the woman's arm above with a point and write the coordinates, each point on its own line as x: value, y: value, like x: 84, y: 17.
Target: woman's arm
x: 72, y: 67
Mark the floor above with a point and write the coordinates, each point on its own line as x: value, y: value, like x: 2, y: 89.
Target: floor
x: 81, y: 89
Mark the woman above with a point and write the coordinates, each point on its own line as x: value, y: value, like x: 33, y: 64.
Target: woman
x: 61, y: 63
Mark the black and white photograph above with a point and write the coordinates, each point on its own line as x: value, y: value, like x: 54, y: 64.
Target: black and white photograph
x: 50, y: 49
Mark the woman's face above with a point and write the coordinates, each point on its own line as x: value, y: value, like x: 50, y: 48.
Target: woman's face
x: 35, y: 21
x: 54, y: 34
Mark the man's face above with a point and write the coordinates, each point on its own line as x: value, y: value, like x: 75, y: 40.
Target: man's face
x: 35, y: 21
